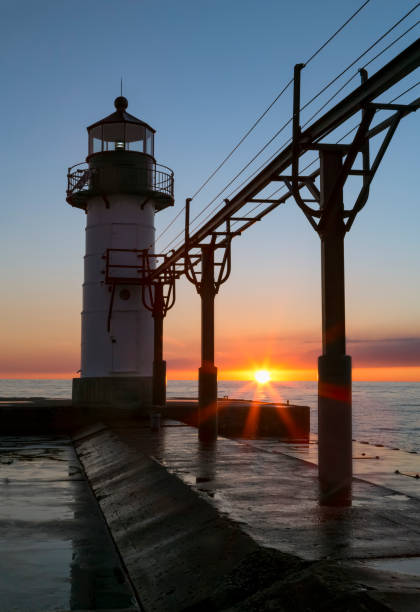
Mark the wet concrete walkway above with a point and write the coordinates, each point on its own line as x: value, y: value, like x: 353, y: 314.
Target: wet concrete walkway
x: 55, y: 551
x: 266, y: 488
x: 275, y: 496
x: 387, y: 467
x: 233, y: 526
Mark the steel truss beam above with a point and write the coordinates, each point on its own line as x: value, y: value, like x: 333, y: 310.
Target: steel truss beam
x: 361, y: 99
x: 331, y: 221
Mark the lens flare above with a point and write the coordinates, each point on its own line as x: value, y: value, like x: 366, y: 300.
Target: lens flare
x: 262, y: 376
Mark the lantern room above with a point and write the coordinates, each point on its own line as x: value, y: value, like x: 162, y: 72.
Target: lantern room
x: 121, y: 131
x: 121, y: 159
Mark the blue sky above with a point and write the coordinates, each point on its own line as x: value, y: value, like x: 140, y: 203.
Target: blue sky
x: 199, y: 72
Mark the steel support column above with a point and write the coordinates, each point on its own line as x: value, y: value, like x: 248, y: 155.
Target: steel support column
x: 334, y: 366
x: 207, y: 373
x: 159, y: 365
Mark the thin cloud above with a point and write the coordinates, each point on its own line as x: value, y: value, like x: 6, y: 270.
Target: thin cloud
x: 181, y: 363
x: 395, y: 352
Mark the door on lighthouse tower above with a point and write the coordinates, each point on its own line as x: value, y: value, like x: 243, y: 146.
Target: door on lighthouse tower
x: 124, y: 320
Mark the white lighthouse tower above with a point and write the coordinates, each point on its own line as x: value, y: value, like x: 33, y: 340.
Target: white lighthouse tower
x: 120, y: 187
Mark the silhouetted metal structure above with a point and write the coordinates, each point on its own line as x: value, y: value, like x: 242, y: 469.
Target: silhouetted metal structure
x: 324, y: 208
x: 123, y: 180
x: 157, y: 296
x: 200, y: 270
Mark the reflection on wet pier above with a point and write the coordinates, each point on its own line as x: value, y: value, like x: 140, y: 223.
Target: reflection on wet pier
x: 193, y: 513
x: 191, y: 518
x: 56, y: 553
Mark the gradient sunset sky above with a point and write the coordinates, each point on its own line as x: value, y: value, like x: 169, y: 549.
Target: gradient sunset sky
x: 200, y: 72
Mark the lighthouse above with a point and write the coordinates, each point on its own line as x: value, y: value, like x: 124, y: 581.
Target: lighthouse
x: 121, y: 188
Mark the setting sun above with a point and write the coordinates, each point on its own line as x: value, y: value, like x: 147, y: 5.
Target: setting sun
x: 262, y: 376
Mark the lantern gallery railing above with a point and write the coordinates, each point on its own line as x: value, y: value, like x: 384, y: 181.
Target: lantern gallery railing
x: 162, y: 180
x: 153, y: 177
x: 78, y: 180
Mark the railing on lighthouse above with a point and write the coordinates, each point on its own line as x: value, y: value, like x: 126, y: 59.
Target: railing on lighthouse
x: 120, y: 160
x: 156, y: 179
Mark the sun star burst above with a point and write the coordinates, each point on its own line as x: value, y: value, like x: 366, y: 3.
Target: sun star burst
x: 262, y: 376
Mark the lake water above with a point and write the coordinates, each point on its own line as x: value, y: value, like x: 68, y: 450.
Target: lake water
x: 383, y: 413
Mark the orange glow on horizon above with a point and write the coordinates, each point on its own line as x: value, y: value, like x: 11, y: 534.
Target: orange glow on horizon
x: 38, y: 375
x: 386, y: 374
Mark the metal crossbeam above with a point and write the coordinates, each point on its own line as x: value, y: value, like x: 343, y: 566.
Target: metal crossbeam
x: 360, y: 99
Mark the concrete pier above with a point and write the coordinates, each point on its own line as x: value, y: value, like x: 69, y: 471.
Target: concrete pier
x: 237, y: 524
x: 248, y: 419
x: 239, y: 418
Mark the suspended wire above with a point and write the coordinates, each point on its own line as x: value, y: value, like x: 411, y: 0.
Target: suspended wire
x: 283, y: 187
x: 169, y: 226
x: 254, y: 125
x: 264, y: 113
x: 283, y: 127
x: 404, y: 92
x: 360, y: 56
x: 356, y: 73
x: 321, y: 108
x: 228, y: 157
x: 353, y: 129
x: 220, y: 204
x: 270, y: 106
x: 337, y: 32
x: 391, y: 44
x: 330, y: 99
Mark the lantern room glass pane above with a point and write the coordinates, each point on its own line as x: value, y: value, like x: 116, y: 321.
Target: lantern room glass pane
x: 135, y: 137
x: 114, y: 136
x: 95, y: 140
x: 149, y: 142
x: 121, y: 136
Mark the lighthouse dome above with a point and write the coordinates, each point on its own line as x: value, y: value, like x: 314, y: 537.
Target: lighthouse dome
x: 121, y: 131
x: 121, y: 159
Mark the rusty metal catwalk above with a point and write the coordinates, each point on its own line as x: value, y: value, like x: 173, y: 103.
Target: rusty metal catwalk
x: 320, y: 196
x: 360, y: 99
x: 324, y: 208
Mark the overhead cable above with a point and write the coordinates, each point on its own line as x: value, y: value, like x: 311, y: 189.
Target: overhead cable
x: 356, y: 73
x: 270, y: 106
x: 305, y: 167
x: 282, y: 128
x: 264, y: 113
x: 353, y: 129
